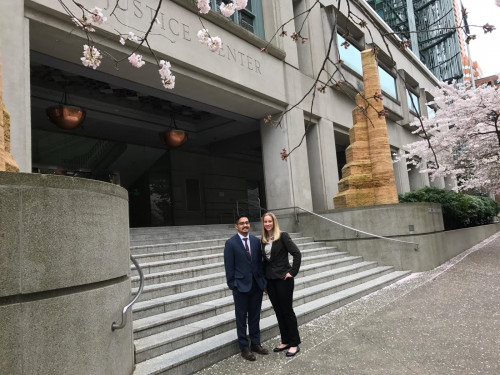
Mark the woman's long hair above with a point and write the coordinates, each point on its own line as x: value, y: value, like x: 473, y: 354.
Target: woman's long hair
x: 276, y: 228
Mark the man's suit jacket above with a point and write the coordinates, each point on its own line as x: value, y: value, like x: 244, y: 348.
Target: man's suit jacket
x: 278, y: 265
x: 239, y: 268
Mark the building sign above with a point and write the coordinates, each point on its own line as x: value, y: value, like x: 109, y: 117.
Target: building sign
x: 177, y: 26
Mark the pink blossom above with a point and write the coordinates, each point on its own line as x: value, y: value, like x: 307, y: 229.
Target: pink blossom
x: 204, y: 6
x: 227, y: 10
x: 136, y: 60
x: 88, y: 19
x: 284, y: 155
x: 215, y: 44
x: 167, y: 79
x: 464, y: 136
x: 84, y: 23
x: 97, y: 16
x: 240, y: 4
x: 203, y: 36
x: 91, y: 57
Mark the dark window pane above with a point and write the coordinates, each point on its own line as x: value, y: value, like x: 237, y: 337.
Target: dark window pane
x: 247, y: 21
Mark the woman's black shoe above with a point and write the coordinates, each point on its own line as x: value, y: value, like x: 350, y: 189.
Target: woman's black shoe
x: 276, y: 350
x: 288, y: 354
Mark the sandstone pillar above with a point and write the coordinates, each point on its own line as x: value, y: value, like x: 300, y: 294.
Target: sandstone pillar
x: 7, y: 162
x: 368, y: 177
x: 380, y: 153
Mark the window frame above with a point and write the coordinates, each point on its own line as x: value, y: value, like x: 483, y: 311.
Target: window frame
x: 417, y: 110
x: 255, y: 13
x: 388, y: 72
x: 353, y: 44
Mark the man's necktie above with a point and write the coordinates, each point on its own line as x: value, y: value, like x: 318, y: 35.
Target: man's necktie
x: 246, y: 247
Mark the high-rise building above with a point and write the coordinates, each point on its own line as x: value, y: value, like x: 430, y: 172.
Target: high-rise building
x: 430, y: 26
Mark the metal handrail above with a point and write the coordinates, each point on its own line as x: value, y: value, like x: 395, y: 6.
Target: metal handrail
x: 114, y: 325
x: 249, y: 203
x: 348, y: 227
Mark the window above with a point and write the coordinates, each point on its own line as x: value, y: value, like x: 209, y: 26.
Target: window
x: 351, y: 56
x: 431, y: 113
x: 387, y: 83
x: 413, y: 102
x: 249, y: 18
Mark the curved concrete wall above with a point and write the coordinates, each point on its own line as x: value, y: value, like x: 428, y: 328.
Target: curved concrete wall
x: 63, y: 276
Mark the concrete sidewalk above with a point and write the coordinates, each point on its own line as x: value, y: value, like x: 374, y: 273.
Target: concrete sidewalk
x: 444, y: 321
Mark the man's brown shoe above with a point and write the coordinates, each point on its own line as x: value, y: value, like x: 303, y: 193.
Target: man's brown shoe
x: 258, y: 349
x: 247, y: 354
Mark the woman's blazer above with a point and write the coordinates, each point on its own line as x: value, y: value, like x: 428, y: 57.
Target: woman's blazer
x: 278, y: 265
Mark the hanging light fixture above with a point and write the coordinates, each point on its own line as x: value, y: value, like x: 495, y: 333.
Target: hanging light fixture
x: 174, y: 137
x: 65, y: 116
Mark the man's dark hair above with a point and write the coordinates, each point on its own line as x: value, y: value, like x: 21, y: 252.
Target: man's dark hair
x: 238, y: 217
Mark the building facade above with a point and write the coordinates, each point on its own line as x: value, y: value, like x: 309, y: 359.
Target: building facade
x: 493, y: 81
x: 232, y: 157
x: 430, y: 26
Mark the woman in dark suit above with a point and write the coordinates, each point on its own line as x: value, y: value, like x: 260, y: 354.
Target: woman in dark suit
x: 276, y: 246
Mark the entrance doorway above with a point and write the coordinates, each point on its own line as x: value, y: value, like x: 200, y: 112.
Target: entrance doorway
x: 197, y: 183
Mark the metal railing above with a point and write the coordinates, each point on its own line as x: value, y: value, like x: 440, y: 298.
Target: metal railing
x: 357, y: 231
x: 244, y: 205
x: 114, y: 325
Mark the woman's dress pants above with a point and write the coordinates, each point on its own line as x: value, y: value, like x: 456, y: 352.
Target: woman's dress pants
x: 281, y: 295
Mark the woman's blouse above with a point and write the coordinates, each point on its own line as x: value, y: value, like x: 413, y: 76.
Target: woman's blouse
x: 267, y: 248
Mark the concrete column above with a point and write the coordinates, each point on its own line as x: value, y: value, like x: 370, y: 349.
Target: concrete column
x: 283, y: 12
x: 64, y: 276
x: 287, y: 182
x: 417, y: 179
x: 401, y: 175
x: 312, y: 53
x: 412, y: 28
x: 401, y: 86
x: 425, y: 179
x: 14, y: 48
x: 438, y: 183
x: 323, y: 169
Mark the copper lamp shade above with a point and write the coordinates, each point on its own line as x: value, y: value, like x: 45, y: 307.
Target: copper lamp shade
x: 174, y: 137
x: 65, y: 116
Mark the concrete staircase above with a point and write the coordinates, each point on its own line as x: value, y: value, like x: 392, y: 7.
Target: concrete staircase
x: 184, y: 321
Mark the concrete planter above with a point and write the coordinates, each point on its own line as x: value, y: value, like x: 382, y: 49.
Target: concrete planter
x: 64, y: 276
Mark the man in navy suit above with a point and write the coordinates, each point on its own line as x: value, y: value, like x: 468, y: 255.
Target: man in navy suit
x: 244, y: 274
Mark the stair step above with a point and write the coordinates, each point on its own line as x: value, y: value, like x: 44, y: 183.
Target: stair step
x: 178, y: 300
x: 153, y: 238
x: 181, y: 250
x: 222, y: 308
x: 214, y: 268
x: 180, y: 286
x: 199, y: 260
x: 206, y: 351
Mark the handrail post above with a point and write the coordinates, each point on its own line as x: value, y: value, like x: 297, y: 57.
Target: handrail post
x: 114, y: 325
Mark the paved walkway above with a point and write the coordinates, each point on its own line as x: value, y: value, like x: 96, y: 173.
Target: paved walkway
x: 444, y: 321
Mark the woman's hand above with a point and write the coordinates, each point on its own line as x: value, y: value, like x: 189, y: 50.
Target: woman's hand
x: 287, y: 276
